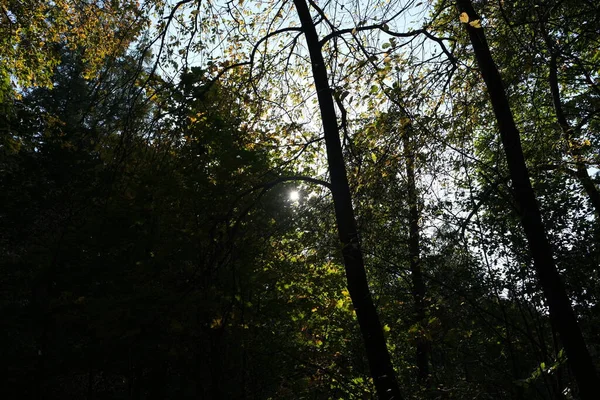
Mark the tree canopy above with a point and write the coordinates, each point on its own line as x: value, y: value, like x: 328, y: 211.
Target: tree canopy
x: 300, y: 199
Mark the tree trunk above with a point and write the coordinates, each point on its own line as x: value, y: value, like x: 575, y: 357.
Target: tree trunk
x: 380, y: 363
x: 559, y: 304
x: 414, y: 253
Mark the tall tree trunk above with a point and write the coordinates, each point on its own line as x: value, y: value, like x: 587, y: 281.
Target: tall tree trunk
x: 414, y: 253
x: 380, y: 363
x: 559, y: 304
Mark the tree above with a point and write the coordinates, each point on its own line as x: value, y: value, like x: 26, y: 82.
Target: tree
x: 559, y: 304
x: 380, y: 364
x: 33, y: 33
x: 168, y: 229
x: 118, y: 239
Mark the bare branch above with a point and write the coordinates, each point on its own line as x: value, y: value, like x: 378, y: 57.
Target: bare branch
x: 384, y: 28
x: 282, y: 179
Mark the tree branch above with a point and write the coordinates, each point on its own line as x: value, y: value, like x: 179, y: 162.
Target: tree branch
x: 296, y: 178
x: 383, y: 27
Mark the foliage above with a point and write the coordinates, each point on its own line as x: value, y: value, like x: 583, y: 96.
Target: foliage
x: 149, y: 245
x: 33, y: 32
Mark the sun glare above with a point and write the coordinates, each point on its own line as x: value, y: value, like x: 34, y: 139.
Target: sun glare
x: 294, y: 195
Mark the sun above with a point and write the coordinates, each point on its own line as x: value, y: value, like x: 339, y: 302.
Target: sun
x: 294, y: 195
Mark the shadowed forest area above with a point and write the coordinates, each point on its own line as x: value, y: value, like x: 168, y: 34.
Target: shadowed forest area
x: 300, y: 199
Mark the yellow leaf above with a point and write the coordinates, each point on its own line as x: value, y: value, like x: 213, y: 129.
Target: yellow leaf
x: 475, y: 23
x: 464, y: 17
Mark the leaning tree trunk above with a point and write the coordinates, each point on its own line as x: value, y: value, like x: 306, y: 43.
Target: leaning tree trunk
x: 380, y: 363
x: 414, y: 253
x: 559, y: 304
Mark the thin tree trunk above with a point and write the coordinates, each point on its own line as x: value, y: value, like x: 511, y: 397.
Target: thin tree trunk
x: 559, y: 304
x: 380, y: 363
x: 414, y: 253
